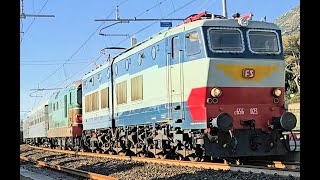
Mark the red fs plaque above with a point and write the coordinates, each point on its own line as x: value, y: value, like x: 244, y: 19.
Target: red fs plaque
x: 248, y: 73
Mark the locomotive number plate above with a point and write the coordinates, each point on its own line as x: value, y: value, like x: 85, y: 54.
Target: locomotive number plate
x: 241, y: 111
x: 248, y: 73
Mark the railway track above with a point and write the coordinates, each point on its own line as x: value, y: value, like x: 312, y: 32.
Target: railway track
x: 76, y: 172
x: 277, y: 168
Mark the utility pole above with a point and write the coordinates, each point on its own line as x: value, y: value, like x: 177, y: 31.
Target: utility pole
x: 224, y: 8
x: 24, y: 16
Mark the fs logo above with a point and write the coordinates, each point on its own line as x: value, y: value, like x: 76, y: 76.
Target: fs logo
x: 248, y: 73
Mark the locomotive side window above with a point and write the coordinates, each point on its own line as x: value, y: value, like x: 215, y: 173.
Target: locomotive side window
x: 88, y: 103
x: 79, y: 95
x: 100, y: 77
x: 263, y: 41
x: 104, y: 98
x: 85, y: 84
x: 122, y: 92
x: 92, y: 80
x: 175, y: 47
x: 65, y: 106
x: 193, y: 43
x: 95, y: 101
x: 225, y: 40
x: 137, y: 88
x: 70, y: 101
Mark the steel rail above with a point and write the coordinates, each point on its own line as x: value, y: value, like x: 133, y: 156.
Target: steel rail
x: 72, y: 171
x: 280, y: 170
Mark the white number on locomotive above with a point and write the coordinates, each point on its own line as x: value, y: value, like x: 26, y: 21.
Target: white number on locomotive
x: 239, y: 111
x: 253, y: 110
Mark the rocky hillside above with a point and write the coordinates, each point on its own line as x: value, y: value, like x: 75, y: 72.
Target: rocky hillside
x: 290, y: 21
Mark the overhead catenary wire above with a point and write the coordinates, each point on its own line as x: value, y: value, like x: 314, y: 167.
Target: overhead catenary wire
x: 152, y: 23
x: 156, y: 21
x: 160, y: 10
x: 57, y: 60
x: 24, y: 34
x: 159, y: 3
x: 97, y: 29
x: 75, y: 54
x: 61, y: 82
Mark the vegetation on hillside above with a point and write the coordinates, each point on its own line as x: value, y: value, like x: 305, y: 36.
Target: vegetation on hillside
x: 289, y: 24
x: 291, y: 46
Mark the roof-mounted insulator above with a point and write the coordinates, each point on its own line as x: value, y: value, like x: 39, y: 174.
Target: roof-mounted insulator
x: 247, y: 16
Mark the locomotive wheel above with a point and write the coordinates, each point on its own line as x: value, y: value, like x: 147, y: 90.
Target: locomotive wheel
x: 162, y: 156
x: 141, y: 154
x: 194, y: 158
x: 111, y: 152
x: 179, y: 157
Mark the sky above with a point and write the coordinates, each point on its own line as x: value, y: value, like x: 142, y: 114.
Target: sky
x: 55, y: 51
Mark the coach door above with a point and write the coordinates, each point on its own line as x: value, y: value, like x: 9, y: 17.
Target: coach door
x: 175, y: 56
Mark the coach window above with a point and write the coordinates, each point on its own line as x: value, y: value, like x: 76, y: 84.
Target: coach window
x: 263, y: 42
x: 136, y: 88
x: 70, y: 102
x: 65, y: 106
x: 54, y: 106
x: 193, y: 43
x: 122, y: 92
x: 175, y: 47
x: 225, y: 40
x: 104, y: 98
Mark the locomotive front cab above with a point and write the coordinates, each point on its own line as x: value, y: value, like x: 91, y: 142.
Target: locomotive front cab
x: 244, y: 95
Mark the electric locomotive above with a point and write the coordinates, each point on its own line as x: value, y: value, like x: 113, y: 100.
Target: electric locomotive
x: 210, y: 87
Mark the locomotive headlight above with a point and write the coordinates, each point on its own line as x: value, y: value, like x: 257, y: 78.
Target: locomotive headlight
x: 216, y: 92
x: 277, y: 92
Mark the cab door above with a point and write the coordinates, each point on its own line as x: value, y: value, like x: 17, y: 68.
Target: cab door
x: 174, y: 75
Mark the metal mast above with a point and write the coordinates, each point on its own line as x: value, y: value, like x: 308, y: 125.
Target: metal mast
x: 24, y: 16
x: 224, y: 8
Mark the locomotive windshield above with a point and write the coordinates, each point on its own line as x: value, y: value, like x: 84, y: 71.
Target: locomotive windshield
x: 225, y: 40
x: 263, y: 41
